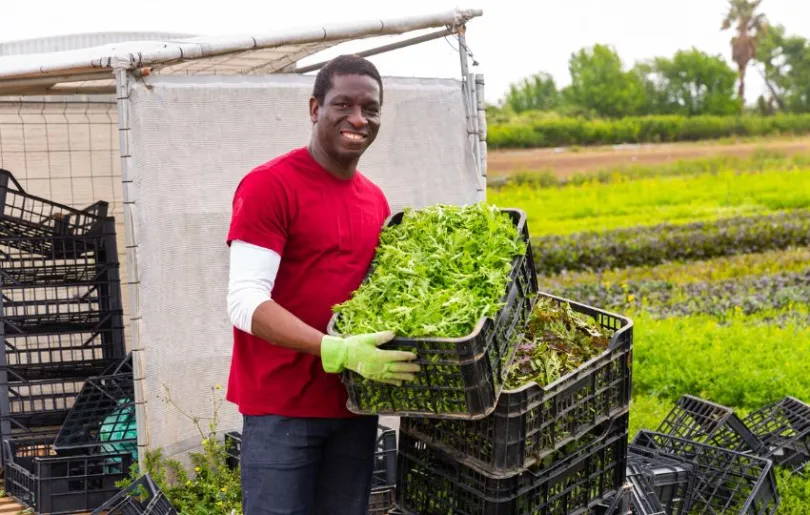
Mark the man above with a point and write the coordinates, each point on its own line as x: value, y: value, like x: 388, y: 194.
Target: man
x: 303, y: 233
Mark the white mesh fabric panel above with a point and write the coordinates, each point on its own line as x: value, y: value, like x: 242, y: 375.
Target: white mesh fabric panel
x: 192, y: 140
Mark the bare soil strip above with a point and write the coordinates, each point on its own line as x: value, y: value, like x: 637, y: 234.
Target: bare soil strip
x: 566, y: 161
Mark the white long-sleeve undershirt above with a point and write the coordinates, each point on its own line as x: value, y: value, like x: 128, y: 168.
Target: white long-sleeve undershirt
x: 251, y: 277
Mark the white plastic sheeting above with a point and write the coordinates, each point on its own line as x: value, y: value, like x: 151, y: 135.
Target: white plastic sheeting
x: 191, y: 141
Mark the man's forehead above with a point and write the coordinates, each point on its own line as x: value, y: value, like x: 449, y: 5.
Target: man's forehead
x: 354, y: 81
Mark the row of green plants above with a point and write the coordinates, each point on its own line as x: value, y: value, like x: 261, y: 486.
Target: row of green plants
x: 654, y: 245
x: 635, y: 202
x: 753, y: 294
x: 793, y: 259
x: 560, y: 131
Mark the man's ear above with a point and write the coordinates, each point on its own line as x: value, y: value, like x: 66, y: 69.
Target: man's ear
x: 313, y: 109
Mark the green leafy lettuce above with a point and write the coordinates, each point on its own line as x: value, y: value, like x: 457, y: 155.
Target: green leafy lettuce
x: 436, y: 273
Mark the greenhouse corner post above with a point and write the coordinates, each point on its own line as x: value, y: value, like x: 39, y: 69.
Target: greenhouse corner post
x: 122, y: 84
x: 471, y: 89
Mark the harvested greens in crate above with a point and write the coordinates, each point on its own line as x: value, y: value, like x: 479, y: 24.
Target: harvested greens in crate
x: 571, y: 372
x: 454, y: 283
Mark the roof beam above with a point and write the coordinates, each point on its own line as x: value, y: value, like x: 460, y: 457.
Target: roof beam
x: 385, y: 48
x: 43, y: 83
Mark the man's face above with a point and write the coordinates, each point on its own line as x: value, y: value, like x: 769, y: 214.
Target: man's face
x: 349, y: 119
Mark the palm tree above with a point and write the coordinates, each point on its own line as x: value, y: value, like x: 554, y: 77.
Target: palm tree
x: 750, y: 27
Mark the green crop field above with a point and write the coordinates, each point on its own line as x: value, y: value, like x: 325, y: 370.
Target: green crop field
x: 711, y: 263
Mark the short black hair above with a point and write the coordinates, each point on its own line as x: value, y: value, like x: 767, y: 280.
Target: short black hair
x: 347, y: 64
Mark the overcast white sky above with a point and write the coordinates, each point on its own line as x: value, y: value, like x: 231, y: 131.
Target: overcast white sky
x: 508, y: 42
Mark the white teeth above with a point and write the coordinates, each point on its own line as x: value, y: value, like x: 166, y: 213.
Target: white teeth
x: 352, y: 135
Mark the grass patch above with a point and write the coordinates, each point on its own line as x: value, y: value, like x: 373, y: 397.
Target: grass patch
x: 733, y: 363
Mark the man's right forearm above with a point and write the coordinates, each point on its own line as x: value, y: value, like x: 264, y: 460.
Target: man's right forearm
x: 272, y: 323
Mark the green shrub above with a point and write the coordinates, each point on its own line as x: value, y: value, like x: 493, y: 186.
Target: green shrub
x: 211, y: 488
x: 526, y: 131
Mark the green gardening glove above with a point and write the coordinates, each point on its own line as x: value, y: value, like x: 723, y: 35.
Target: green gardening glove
x: 360, y: 353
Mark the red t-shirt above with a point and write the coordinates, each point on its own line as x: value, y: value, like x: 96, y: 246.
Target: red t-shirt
x: 326, y: 231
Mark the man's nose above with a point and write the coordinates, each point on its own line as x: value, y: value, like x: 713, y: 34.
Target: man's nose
x: 357, y: 118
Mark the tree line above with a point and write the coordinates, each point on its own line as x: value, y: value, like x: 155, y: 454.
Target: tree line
x: 689, y: 83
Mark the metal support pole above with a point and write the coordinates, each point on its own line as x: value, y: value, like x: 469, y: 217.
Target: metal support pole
x: 482, y: 127
x: 471, y: 110
x: 385, y: 48
x: 122, y: 79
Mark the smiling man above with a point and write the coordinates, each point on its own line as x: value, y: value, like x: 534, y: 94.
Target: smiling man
x: 303, y: 233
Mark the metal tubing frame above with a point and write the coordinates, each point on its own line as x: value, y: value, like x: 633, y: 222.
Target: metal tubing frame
x: 122, y: 82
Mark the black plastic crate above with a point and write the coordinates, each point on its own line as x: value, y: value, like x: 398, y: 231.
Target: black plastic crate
x: 664, y: 484
x: 385, y: 458
x: 643, y: 499
x: 784, y: 428
x: 29, y: 405
x: 26, y: 215
x: 533, y: 421
x: 102, y: 416
x: 460, y: 378
x: 726, y: 481
x: 616, y: 504
x: 432, y: 482
x: 700, y: 420
x: 50, y: 309
x: 33, y: 271
x: 31, y: 357
x: 233, y: 444
x: 141, y: 497
x: 57, y: 259
x: 48, y: 483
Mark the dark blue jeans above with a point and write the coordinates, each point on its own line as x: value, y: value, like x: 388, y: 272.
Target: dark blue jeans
x: 307, y: 466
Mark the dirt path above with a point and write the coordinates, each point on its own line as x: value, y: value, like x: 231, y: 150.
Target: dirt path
x: 565, y: 162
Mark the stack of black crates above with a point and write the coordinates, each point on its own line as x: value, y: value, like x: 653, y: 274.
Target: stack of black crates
x: 703, y: 458
x: 467, y: 446
x: 62, y: 324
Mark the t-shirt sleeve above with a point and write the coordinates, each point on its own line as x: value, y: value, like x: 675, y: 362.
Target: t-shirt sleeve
x: 260, y: 212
